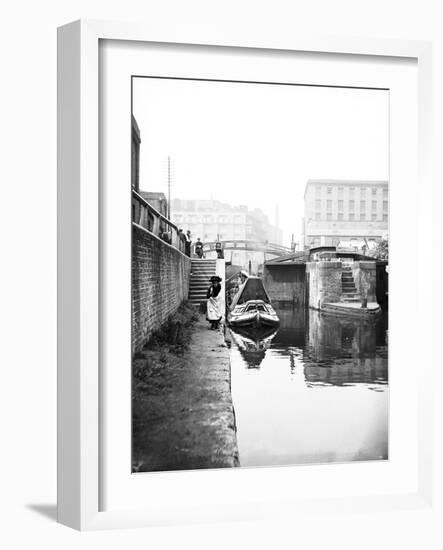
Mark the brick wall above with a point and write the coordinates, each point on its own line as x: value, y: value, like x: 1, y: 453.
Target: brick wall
x: 160, y: 282
x: 365, y: 279
x: 324, y: 282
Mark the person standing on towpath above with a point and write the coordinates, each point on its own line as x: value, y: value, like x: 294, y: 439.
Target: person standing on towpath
x: 213, y: 308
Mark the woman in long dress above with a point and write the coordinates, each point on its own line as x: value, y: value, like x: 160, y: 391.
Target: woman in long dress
x: 213, y: 308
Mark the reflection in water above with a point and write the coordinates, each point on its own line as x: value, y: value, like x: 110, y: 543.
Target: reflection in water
x: 315, y: 390
x: 253, y: 344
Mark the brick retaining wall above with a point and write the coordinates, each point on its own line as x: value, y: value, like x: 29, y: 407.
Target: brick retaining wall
x: 160, y: 283
x: 365, y: 279
x: 324, y: 283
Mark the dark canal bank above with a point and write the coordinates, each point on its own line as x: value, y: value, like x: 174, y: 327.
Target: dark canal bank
x: 183, y: 416
x: 314, y: 391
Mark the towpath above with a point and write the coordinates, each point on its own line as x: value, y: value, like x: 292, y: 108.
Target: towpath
x: 184, y: 416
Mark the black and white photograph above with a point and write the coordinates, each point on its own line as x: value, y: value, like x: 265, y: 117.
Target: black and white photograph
x: 260, y: 264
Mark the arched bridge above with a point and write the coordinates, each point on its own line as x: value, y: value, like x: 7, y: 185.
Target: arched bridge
x: 252, y: 246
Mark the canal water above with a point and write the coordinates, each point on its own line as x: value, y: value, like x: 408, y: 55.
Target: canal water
x: 314, y: 391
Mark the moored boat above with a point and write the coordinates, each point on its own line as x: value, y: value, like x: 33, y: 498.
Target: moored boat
x: 251, y: 306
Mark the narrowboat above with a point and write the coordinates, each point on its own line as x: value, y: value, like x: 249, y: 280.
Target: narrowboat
x: 251, y: 306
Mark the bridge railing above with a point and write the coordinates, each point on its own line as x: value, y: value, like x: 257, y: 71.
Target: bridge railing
x: 145, y: 215
x: 243, y: 244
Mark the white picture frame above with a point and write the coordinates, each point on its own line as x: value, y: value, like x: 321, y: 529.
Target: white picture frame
x: 79, y: 256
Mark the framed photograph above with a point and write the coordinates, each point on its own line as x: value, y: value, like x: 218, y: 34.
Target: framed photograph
x: 236, y: 288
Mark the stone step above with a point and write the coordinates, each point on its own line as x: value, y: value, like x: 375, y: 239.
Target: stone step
x: 198, y: 291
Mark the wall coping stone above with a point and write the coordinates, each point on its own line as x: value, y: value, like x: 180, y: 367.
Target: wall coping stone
x: 141, y: 228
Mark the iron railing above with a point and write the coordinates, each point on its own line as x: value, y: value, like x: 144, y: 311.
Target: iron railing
x: 250, y: 245
x: 145, y: 215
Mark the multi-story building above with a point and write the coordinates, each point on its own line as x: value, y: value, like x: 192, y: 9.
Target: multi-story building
x: 345, y: 211
x: 212, y: 220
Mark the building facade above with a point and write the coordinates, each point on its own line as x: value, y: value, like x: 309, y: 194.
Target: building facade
x: 212, y: 220
x: 345, y: 211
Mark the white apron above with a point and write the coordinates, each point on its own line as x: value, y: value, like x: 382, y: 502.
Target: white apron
x: 213, y: 312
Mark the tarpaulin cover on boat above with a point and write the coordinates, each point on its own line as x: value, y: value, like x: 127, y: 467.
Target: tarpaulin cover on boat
x: 252, y: 289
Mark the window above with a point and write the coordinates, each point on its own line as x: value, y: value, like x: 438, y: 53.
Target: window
x: 329, y: 190
x: 363, y: 192
x: 362, y: 206
x: 374, y: 191
x: 374, y: 206
x: 385, y: 192
x: 385, y: 217
x: 340, y: 206
x: 374, y: 217
x: 351, y: 191
x: 351, y: 206
x: 317, y: 191
x: 318, y: 204
x: 340, y: 216
x: 340, y: 192
x: 351, y: 217
x: 385, y: 206
x: 317, y: 216
x: 329, y: 205
x: 329, y: 216
x: 362, y: 216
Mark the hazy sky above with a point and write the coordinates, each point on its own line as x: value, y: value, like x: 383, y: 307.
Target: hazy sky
x: 257, y: 144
